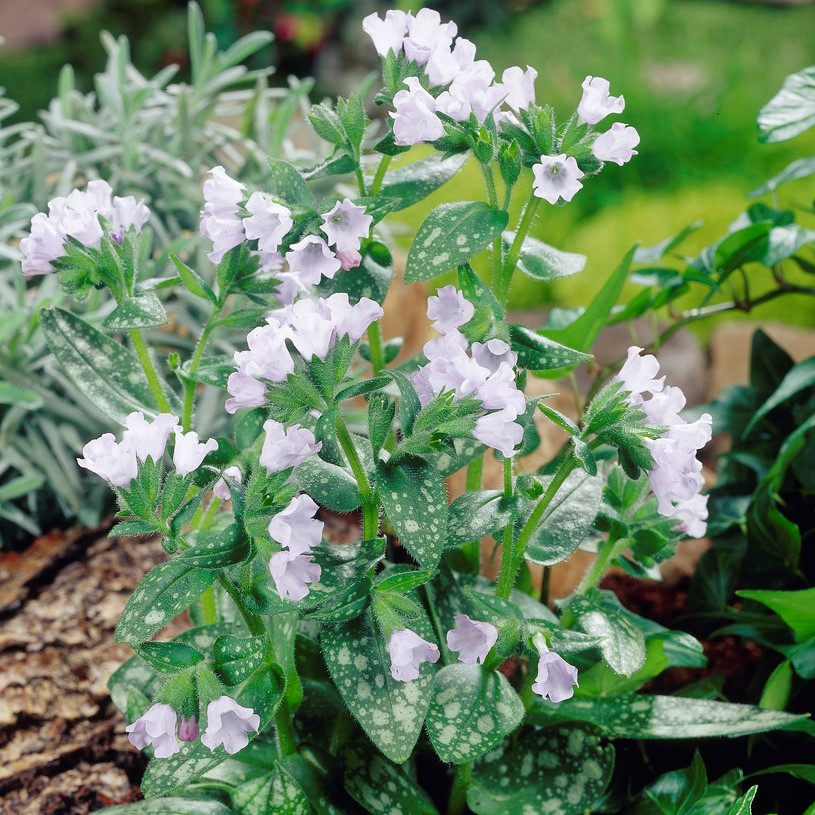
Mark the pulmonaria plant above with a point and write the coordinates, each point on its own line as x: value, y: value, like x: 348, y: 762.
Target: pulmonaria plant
x: 310, y: 648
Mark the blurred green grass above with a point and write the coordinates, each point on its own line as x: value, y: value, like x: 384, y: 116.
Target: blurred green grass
x: 694, y: 75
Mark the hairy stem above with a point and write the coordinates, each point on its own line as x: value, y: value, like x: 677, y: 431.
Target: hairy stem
x: 508, y: 268
x: 497, y: 245
x: 375, y: 347
x: 472, y: 549
x: 506, y: 578
x: 379, y: 177
x: 370, y: 506
x: 189, y: 385
x: 458, y: 792
x: 606, y: 552
x: 140, y: 346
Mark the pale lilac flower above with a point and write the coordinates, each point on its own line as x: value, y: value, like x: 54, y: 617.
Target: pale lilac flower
x: 464, y: 52
x: 475, y: 84
x: 451, y: 346
x: 268, y: 222
x: 311, y: 259
x: 267, y: 357
x: 99, y: 194
x: 127, y: 212
x: 414, y: 116
x: 499, y: 391
x: 387, y: 34
x: 42, y: 246
x: 664, y: 406
x: 187, y: 728
x: 557, y: 177
x: 149, y: 439
x: 286, y: 447
x: 617, y: 144
x: 455, y: 105
x: 221, y: 489
x: 692, y: 515
x: 492, y: 353
x: 246, y: 392
x: 295, y: 527
x: 449, y: 309
x: 472, y: 639
x: 115, y: 462
x: 638, y: 374
x: 556, y: 678
x: 220, y: 221
x: 310, y: 328
x: 349, y: 258
x: 345, y: 224
x: 596, y: 102
x: 228, y: 723
x: 156, y: 729
x: 407, y: 652
x: 500, y: 431
x: 291, y: 287
x: 79, y: 218
x: 425, y: 31
x: 519, y: 86
x: 442, y: 66
x: 349, y: 320
x: 292, y: 573
x: 189, y: 452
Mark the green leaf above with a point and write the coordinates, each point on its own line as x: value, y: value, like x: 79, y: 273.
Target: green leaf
x: 542, y: 262
x: 414, y: 182
x: 142, y: 311
x: 171, y: 806
x: 409, y: 404
x: 795, y: 608
x: 451, y: 235
x: 800, y: 168
x: 415, y: 501
x: 675, y: 793
x: 327, y: 124
x: 622, y: 641
x: 20, y: 486
x: 380, y: 787
x: 390, y: 712
x: 161, y: 596
x: 474, y: 515
x: 582, y: 332
x: 744, y: 806
x: 169, y: 656
x: 785, y: 241
x: 287, y: 183
x: 537, y: 352
x: 567, y: 520
x: 328, y: 484
x: 791, y: 111
x: 560, y: 770
x: 106, y: 373
x: 217, y: 550
x: 776, y: 692
x: 799, y: 378
x: 235, y: 658
x: 276, y: 792
x: 641, y: 716
x: 803, y: 772
x: 19, y: 397
x: 193, y: 281
x: 471, y: 711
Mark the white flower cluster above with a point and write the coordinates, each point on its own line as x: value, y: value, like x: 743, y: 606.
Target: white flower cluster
x: 676, y: 477
x: 311, y: 326
x: 309, y: 260
x: 118, y: 462
x: 228, y: 723
x: 77, y: 216
x: 298, y: 532
x: 469, y: 84
x: 487, y: 375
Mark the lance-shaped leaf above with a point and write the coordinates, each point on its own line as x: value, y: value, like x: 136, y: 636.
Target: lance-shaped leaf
x: 328, y: 484
x: 559, y: 770
x: 218, y: 549
x: 288, y: 184
x: 277, y: 791
x: 540, y: 261
x: 791, y: 111
x: 414, y: 182
x: 474, y: 515
x: 539, y: 353
x: 236, y: 658
x: 471, y: 711
x: 172, y: 806
x: 162, y: 595
x: 451, y: 235
x: 390, y: 712
x: 105, y: 372
x: 143, y: 311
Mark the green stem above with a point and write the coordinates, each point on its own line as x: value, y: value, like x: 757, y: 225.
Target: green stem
x: 361, y: 181
x: 458, y: 792
x: 150, y: 372
x: 286, y: 739
x: 380, y: 174
x: 375, y: 347
x: 189, y: 385
x: 497, y: 244
x: 508, y: 269
x: 605, y: 555
x: 209, y: 611
x: 472, y: 549
x: 370, y: 506
x: 509, y: 567
x: 506, y: 578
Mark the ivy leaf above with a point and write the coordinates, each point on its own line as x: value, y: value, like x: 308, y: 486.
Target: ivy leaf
x: 415, y: 502
x: 451, y: 235
x: 559, y: 769
x: 390, y: 712
x: 471, y: 711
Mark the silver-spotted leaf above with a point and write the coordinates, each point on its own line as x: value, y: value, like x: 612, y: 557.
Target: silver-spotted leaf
x: 471, y: 711
x: 275, y: 792
x: 555, y: 771
x: 172, y: 806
